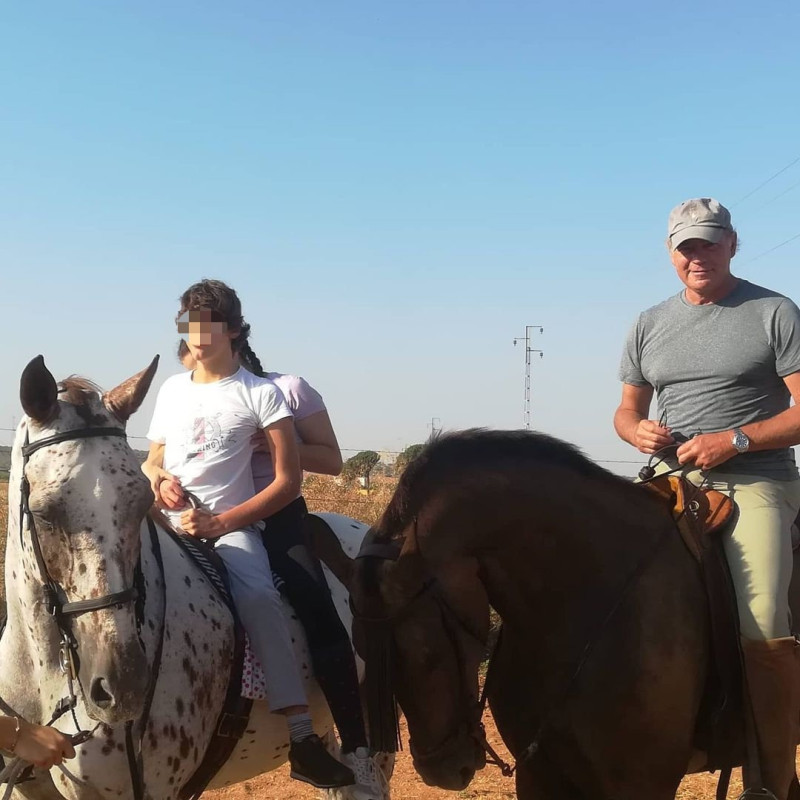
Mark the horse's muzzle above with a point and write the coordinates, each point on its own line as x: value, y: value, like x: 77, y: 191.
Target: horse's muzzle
x: 117, y: 687
x: 452, y: 764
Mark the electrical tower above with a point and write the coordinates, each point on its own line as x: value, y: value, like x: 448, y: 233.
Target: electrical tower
x: 528, y: 351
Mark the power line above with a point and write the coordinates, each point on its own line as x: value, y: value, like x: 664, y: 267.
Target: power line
x: 764, y: 183
x: 772, y: 249
x: 781, y: 194
x: 397, y: 452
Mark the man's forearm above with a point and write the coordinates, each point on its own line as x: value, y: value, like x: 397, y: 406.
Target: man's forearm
x: 782, y: 430
x: 626, y: 421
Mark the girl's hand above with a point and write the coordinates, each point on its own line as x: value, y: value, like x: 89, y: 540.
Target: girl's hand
x: 260, y: 443
x: 167, y: 489
x: 202, y: 524
x: 42, y: 746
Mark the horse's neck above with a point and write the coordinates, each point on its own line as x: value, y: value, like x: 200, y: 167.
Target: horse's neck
x: 584, y: 546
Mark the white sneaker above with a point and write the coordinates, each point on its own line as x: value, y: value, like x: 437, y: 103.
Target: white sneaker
x: 370, y: 782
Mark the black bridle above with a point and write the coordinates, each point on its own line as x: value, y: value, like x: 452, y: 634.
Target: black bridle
x: 380, y: 689
x: 61, y: 611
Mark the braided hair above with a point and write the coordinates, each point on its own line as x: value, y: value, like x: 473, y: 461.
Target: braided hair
x: 250, y: 361
x: 217, y: 296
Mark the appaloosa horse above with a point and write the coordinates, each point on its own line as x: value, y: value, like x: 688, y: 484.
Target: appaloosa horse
x: 111, y: 628
x: 597, y: 683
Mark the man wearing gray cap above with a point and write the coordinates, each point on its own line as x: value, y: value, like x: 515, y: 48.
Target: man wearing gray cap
x: 723, y: 358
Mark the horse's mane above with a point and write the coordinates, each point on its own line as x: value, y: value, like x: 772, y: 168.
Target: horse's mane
x: 77, y: 390
x: 450, y: 456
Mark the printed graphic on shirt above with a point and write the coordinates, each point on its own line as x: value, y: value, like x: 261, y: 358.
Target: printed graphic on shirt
x: 205, y: 436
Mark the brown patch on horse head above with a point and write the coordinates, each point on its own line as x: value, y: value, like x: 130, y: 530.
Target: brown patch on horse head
x: 79, y: 392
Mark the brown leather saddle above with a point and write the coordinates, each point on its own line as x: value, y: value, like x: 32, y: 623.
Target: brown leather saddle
x: 701, y: 516
x: 699, y: 513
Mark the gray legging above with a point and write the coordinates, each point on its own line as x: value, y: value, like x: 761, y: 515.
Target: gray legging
x: 261, y: 611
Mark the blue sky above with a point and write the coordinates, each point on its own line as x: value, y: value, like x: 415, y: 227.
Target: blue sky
x: 395, y: 190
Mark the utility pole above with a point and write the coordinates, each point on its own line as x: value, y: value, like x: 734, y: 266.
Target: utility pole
x: 528, y: 351
x: 436, y: 427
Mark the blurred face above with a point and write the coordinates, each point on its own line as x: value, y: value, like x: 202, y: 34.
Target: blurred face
x: 206, y: 334
x: 705, y: 267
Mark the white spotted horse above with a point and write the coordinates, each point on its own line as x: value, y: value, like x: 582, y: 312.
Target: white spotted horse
x: 114, y: 634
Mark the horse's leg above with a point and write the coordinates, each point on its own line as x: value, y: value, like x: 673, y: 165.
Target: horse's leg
x: 536, y: 780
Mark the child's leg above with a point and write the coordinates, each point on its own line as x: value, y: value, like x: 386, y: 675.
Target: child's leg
x: 261, y: 612
x: 260, y: 609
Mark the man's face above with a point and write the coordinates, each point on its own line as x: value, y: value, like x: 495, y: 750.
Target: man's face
x: 705, y: 267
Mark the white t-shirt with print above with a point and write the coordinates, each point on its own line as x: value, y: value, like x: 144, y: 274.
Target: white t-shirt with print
x: 207, y: 429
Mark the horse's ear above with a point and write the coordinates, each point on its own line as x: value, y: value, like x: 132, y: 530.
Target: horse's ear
x: 125, y: 399
x: 38, y: 391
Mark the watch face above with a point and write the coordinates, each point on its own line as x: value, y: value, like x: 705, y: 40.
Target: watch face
x: 740, y: 441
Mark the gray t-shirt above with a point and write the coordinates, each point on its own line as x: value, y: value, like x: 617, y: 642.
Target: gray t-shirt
x: 719, y: 366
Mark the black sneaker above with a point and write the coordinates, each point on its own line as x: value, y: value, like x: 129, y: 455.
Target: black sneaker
x: 312, y: 763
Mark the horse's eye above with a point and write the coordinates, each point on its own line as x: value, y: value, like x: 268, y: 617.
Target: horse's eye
x: 47, y: 507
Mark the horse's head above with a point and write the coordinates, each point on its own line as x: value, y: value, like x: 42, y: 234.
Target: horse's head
x: 436, y: 619
x: 80, y: 540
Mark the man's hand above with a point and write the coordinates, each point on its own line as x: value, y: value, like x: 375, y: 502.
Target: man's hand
x: 202, y: 524
x: 650, y: 436
x: 42, y: 746
x: 707, y: 450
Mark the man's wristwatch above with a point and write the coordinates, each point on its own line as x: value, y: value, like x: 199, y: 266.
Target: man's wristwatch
x: 740, y: 440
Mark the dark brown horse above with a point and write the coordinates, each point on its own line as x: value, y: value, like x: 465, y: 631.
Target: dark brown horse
x: 599, y: 678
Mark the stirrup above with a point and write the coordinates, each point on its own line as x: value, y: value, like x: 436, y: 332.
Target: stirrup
x: 761, y: 794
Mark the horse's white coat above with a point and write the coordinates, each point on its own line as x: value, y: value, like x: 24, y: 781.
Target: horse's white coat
x: 85, y: 486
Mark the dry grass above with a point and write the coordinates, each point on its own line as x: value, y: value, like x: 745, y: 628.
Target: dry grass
x: 324, y: 494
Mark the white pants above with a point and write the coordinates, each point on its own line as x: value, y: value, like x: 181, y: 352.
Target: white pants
x: 260, y: 609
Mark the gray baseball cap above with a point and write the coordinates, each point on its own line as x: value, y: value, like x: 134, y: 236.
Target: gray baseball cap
x: 699, y: 218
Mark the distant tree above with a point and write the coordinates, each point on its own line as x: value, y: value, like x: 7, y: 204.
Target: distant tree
x: 406, y: 457
x: 360, y: 465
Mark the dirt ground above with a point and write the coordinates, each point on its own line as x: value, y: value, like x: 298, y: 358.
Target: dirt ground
x: 488, y: 784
